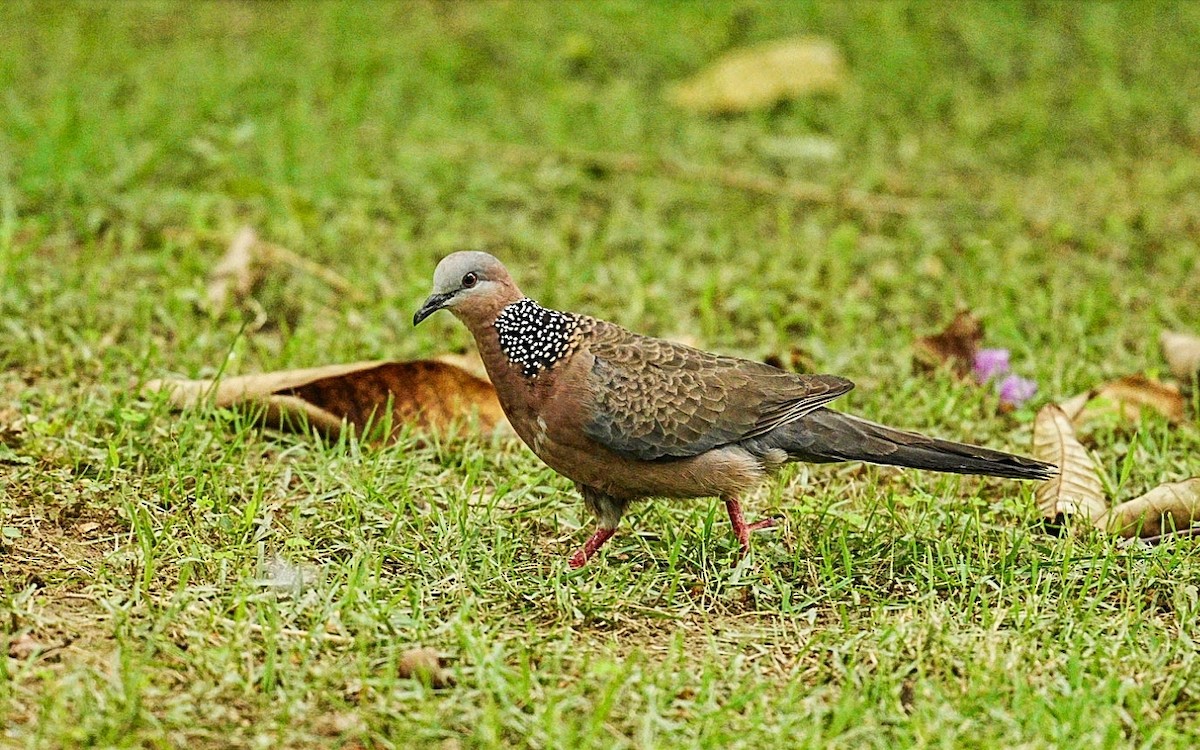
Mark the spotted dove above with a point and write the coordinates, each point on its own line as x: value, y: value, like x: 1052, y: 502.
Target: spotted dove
x: 627, y: 416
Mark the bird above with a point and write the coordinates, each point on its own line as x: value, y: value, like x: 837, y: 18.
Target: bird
x: 628, y: 417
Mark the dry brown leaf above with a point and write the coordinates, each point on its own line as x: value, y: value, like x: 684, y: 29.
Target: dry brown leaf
x: 761, y: 76
x: 428, y: 393
x: 471, y: 362
x: 1076, y: 490
x: 1075, y: 405
x: 1125, y: 398
x: 424, y: 664
x: 1166, y: 508
x: 1182, y: 351
x: 955, y: 346
x: 237, y: 273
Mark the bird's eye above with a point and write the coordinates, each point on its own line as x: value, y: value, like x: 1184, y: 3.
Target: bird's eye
x: 469, y: 280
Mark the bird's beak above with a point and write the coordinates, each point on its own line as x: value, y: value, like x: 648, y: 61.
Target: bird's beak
x: 434, y: 303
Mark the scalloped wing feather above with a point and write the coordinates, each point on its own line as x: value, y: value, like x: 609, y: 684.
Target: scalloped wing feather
x: 655, y: 399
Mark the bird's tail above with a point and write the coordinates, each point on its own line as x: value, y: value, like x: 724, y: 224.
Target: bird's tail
x: 827, y: 435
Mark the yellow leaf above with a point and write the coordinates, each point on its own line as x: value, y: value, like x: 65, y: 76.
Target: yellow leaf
x: 761, y: 76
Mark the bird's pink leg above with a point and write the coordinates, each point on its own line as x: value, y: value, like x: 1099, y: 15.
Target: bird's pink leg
x: 595, y: 542
x: 741, y: 529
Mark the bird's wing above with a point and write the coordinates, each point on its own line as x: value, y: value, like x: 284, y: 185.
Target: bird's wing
x: 656, y: 399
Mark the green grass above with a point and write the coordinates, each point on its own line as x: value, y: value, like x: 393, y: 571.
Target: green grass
x: 1049, y: 156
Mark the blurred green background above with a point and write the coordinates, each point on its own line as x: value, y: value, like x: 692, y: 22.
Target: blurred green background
x: 1049, y: 149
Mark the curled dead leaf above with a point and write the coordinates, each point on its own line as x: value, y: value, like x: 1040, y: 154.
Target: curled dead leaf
x: 1182, y: 351
x: 1126, y: 398
x: 1170, y: 507
x: 471, y: 362
x: 430, y: 394
x: 1076, y: 490
x: 955, y: 346
x: 426, y: 665
x: 761, y: 76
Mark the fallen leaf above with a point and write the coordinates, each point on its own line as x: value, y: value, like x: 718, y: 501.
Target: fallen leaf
x: 1076, y: 489
x: 1182, y: 351
x: 427, y: 393
x: 955, y: 346
x: 237, y: 273
x: 760, y: 76
x: 424, y: 664
x: 471, y: 362
x: 24, y: 646
x: 1126, y: 398
x: 1166, y: 508
x: 83, y: 529
x: 1075, y: 405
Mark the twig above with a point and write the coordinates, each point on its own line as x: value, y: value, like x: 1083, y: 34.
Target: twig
x: 1167, y: 536
x: 750, y: 182
x: 242, y: 267
x: 279, y: 254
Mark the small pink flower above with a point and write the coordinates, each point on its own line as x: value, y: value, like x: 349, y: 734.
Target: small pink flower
x: 1016, y: 390
x: 990, y: 363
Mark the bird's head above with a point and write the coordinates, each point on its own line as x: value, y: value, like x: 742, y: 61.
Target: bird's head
x: 471, y: 284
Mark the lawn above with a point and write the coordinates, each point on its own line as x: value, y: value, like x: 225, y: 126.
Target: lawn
x: 1036, y: 163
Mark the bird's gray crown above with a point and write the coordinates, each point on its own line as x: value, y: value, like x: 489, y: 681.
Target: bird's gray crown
x: 448, y: 275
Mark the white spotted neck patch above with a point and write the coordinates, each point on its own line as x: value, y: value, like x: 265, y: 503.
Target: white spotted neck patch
x: 533, y: 337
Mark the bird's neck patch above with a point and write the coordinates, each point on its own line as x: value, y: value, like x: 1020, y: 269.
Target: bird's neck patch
x: 533, y: 337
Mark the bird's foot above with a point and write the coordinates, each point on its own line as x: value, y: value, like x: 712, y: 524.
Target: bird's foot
x: 766, y: 523
x: 743, y: 534
x: 595, y: 542
x: 741, y: 529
